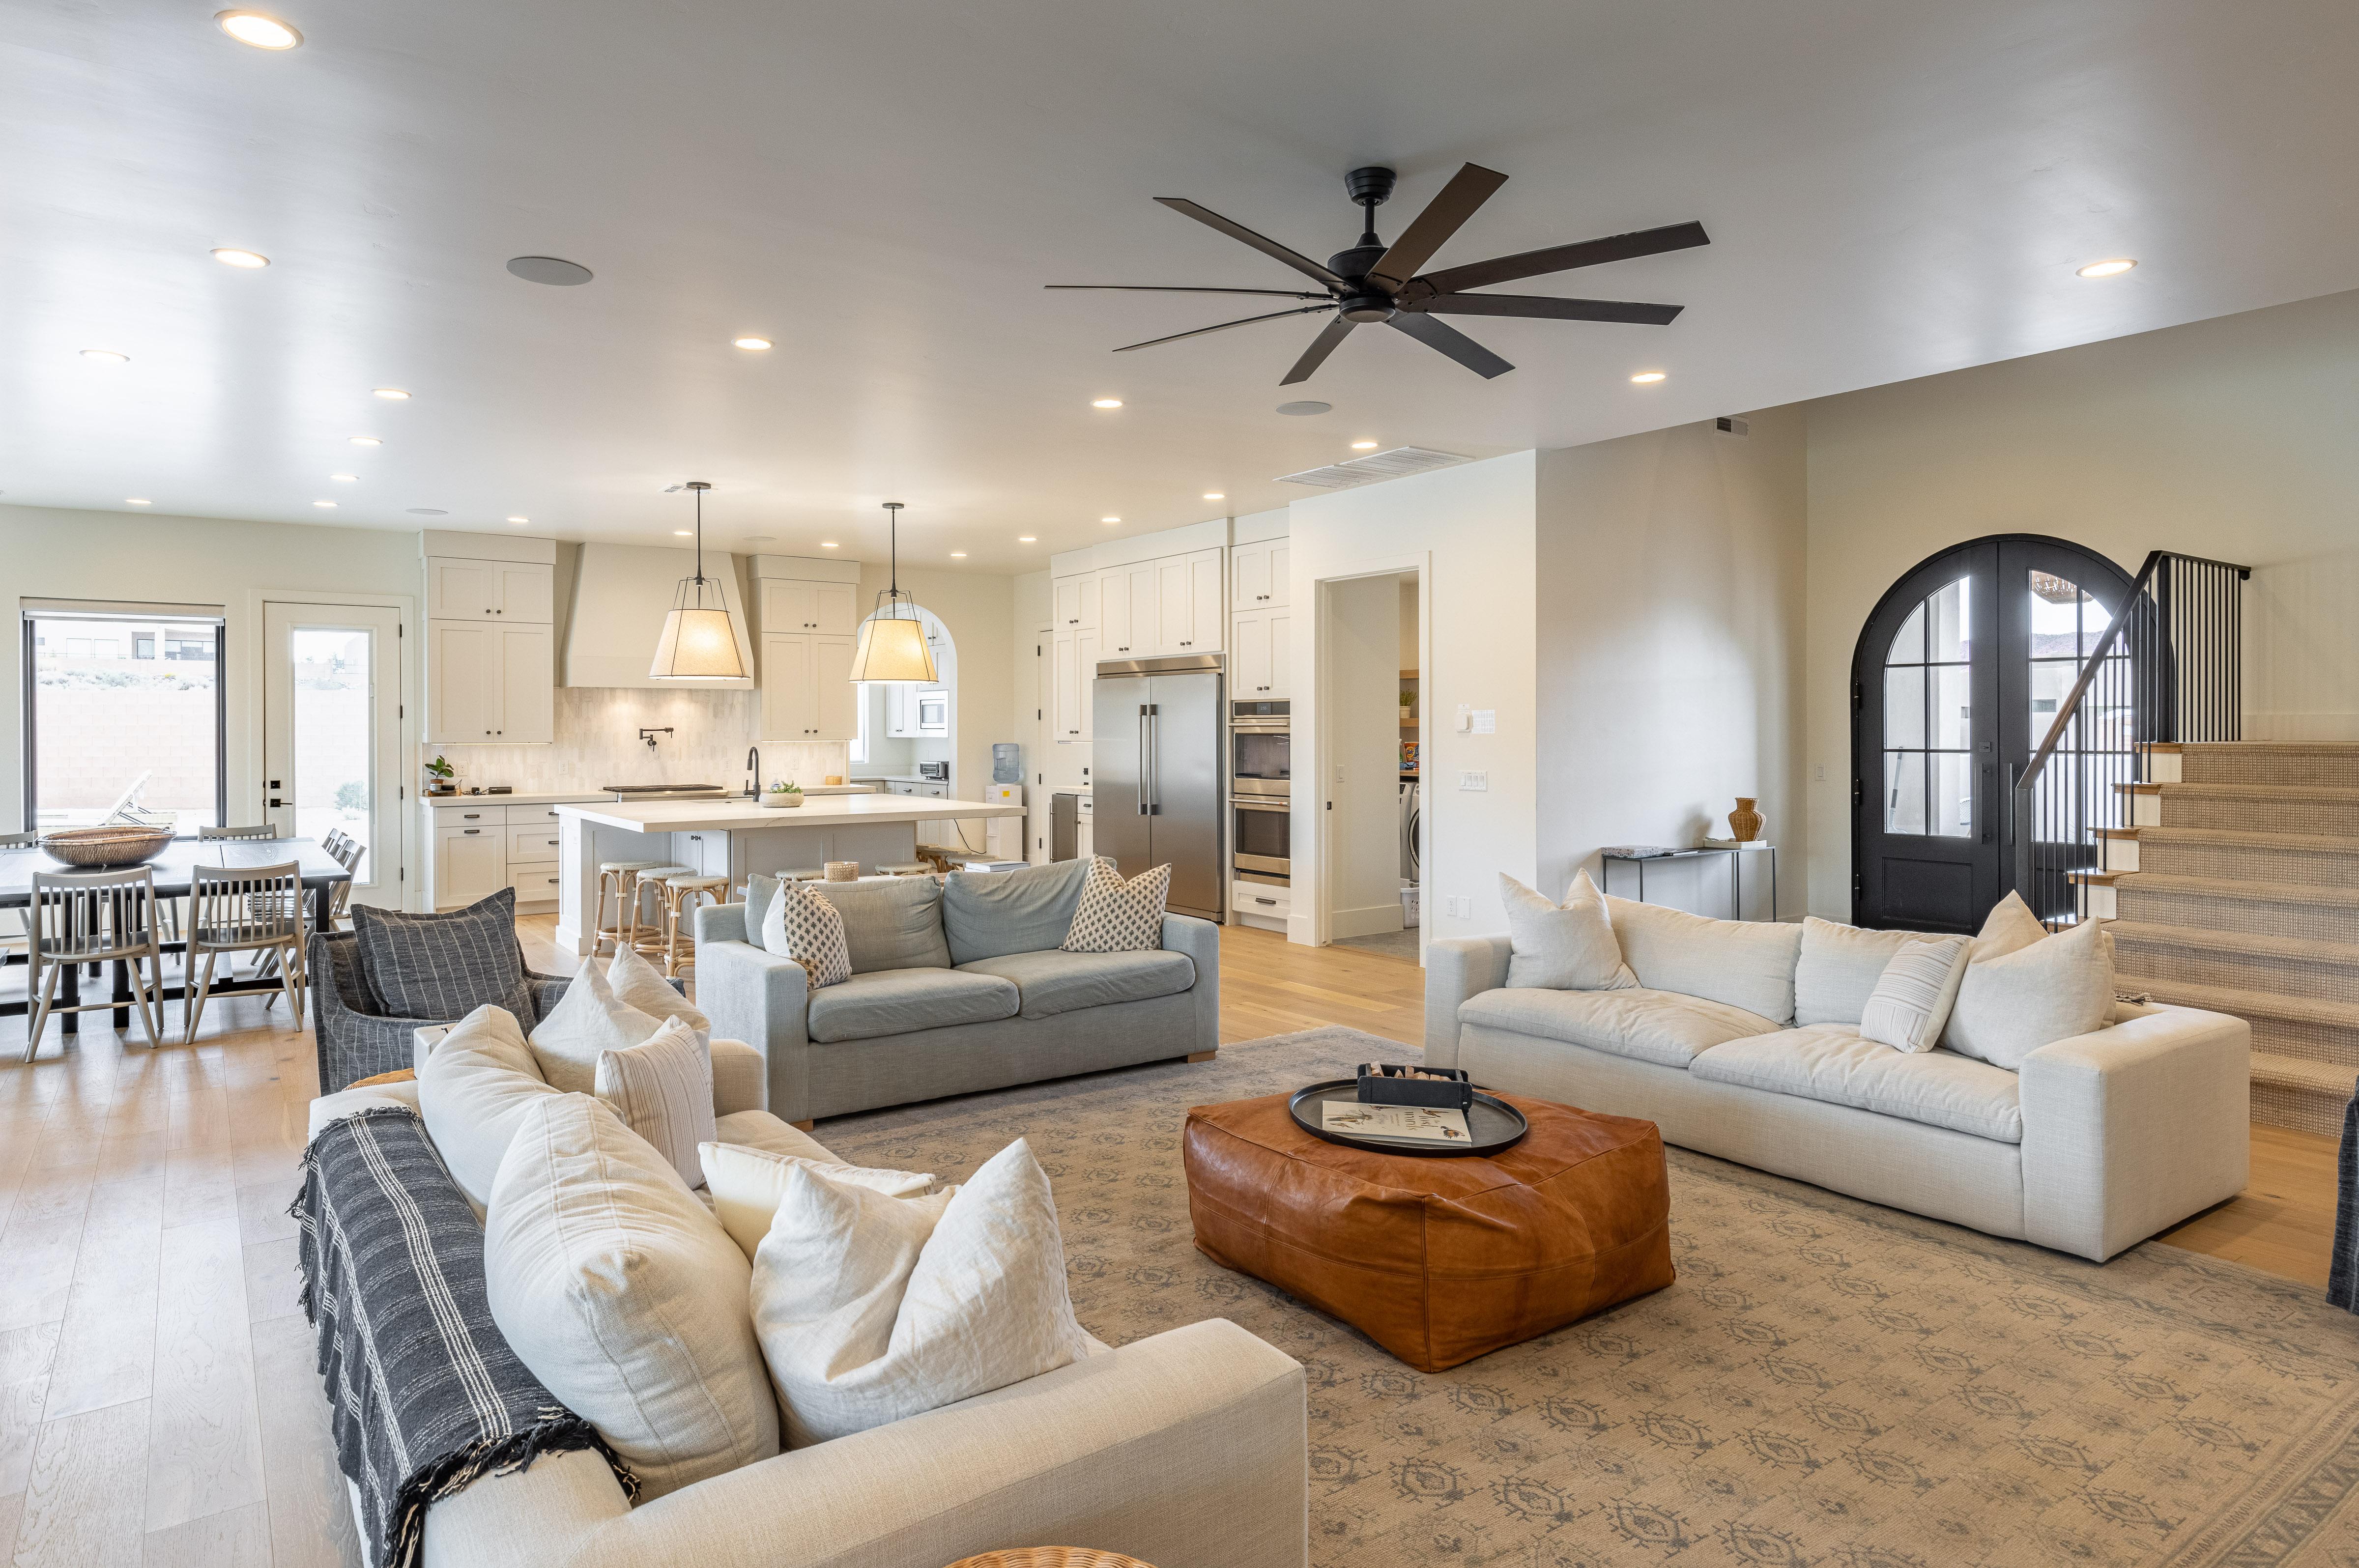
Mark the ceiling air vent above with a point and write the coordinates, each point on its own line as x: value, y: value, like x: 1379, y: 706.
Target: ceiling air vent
x: 1394, y: 464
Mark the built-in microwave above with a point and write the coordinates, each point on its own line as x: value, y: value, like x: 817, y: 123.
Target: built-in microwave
x: 1263, y: 831
x: 1260, y: 748
x: 933, y: 710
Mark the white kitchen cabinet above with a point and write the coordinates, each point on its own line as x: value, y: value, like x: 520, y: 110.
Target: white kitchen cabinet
x: 1259, y: 655
x: 470, y: 863
x: 528, y: 684
x: 528, y: 592
x: 829, y: 609
x: 1129, y: 618
x: 489, y: 684
x: 807, y: 691
x: 1076, y: 602
x: 838, y: 699
x: 461, y: 589
x: 1189, y: 603
x: 1258, y: 575
x: 1072, y: 683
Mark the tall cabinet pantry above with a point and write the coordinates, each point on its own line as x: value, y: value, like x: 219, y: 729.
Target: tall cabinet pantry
x: 807, y: 617
x: 491, y: 640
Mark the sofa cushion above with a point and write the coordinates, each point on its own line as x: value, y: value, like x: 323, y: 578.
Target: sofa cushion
x: 625, y: 1297
x: 443, y: 966
x: 1743, y: 963
x: 640, y: 984
x: 662, y: 1088
x: 1836, y: 969
x: 1053, y: 982
x: 903, y: 1001
x: 894, y: 922
x: 1664, y: 1027
x: 2056, y: 987
x: 1118, y: 916
x: 1830, y: 1062
x: 1912, y: 1001
x: 588, y: 1020
x: 474, y: 1088
x: 1568, y: 947
x: 801, y: 924
x: 746, y: 1184
x: 987, y: 915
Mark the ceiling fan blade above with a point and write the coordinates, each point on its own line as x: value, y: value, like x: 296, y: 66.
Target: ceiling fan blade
x: 1430, y: 229
x: 1185, y: 288
x: 1562, y: 258
x: 1322, y: 345
x: 1245, y: 321
x: 1543, y: 306
x: 1265, y: 245
x: 1450, y: 341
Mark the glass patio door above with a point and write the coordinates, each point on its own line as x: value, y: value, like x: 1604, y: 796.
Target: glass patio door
x: 332, y: 733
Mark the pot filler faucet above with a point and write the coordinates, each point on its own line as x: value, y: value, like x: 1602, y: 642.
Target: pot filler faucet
x: 752, y: 771
x: 649, y: 737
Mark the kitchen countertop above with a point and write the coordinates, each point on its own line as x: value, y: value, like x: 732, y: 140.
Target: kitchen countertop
x: 741, y: 815
x: 896, y: 778
x: 519, y: 798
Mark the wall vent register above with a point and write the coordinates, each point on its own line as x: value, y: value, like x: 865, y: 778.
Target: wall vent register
x: 1393, y: 464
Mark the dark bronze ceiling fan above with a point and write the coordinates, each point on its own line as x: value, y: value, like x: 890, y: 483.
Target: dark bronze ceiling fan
x: 1374, y: 283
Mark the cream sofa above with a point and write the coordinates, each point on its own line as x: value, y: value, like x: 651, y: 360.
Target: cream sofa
x: 1187, y: 1450
x: 2100, y: 1142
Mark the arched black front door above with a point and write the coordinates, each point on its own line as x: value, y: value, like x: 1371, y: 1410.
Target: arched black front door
x: 1956, y: 679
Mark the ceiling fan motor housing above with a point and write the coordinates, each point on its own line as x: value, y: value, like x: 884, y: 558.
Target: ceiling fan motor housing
x: 1370, y: 186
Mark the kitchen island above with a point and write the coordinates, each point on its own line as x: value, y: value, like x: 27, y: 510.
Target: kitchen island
x: 734, y: 836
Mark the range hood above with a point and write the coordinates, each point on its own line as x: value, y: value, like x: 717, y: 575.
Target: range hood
x: 621, y: 595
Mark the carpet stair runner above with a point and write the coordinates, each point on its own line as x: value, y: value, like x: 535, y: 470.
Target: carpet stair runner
x: 2237, y: 890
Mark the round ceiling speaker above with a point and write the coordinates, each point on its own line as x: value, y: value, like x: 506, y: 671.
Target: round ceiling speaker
x: 1306, y: 407
x: 551, y: 270
x: 429, y: 511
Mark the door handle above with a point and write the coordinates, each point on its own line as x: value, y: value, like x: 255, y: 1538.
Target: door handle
x: 276, y: 803
x: 1146, y: 757
x: 1155, y: 754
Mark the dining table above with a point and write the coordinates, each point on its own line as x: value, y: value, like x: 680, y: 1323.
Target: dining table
x: 173, y: 867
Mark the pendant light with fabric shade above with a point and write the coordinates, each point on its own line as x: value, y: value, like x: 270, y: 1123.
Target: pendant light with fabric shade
x: 699, y: 641
x: 893, y: 645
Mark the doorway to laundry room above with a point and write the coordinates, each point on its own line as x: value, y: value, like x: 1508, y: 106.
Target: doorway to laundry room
x: 1376, y: 865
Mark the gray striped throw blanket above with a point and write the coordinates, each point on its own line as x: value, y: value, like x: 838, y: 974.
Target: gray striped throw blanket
x: 424, y: 1393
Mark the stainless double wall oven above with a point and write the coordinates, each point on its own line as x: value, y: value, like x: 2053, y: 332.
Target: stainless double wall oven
x: 1260, y: 782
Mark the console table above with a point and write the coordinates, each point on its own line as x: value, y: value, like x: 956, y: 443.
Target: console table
x: 1608, y: 860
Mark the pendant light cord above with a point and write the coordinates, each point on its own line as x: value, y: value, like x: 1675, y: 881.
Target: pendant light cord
x: 893, y: 551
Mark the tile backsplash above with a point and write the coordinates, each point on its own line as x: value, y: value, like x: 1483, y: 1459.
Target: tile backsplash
x: 598, y: 744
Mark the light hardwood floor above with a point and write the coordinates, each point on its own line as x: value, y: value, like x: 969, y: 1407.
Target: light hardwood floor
x: 157, y: 1399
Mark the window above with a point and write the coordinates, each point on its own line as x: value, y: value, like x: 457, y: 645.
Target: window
x: 860, y: 706
x: 103, y: 730
x: 1928, y: 718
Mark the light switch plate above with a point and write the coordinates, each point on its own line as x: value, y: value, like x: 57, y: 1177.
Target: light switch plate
x: 1486, y: 721
x: 1473, y: 780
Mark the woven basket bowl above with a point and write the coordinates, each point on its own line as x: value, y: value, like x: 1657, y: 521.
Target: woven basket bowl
x: 96, y: 847
x: 1050, y: 1557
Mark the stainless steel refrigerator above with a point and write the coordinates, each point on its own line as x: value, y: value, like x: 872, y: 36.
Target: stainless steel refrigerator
x: 1158, y: 758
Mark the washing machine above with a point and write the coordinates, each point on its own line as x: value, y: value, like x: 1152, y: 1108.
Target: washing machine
x: 1410, y: 866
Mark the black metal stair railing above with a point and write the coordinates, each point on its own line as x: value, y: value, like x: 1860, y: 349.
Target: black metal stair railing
x: 2168, y: 667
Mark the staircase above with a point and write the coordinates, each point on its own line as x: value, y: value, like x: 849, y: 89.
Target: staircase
x: 2234, y: 886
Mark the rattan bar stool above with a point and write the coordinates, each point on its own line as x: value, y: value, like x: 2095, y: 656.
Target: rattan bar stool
x: 245, y: 909
x: 645, y: 924
x: 902, y: 868
x: 619, y: 878
x: 680, y: 893
x: 96, y: 917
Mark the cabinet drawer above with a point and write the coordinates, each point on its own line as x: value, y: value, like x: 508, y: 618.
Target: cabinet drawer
x: 533, y: 843
x: 1261, y: 898
x: 471, y: 816
x: 534, y: 881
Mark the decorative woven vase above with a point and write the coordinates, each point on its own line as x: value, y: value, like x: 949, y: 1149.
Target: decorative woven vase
x: 1744, y: 823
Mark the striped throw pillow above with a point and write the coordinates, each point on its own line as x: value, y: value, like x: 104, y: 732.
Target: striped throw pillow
x: 1912, y: 1000
x: 662, y: 1088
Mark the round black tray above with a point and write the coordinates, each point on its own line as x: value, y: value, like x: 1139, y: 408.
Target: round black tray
x: 1495, y: 1125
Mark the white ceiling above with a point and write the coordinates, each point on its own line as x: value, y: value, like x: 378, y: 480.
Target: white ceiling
x: 882, y: 188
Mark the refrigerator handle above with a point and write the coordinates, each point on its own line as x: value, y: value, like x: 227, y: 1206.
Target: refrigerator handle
x: 1155, y: 755
x: 1146, y: 759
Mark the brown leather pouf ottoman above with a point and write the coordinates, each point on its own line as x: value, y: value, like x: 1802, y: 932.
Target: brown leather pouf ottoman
x: 1439, y: 1260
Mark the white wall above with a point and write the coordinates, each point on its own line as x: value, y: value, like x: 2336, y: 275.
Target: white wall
x: 1472, y: 527
x: 1670, y: 641
x: 2230, y: 439
x: 1362, y: 713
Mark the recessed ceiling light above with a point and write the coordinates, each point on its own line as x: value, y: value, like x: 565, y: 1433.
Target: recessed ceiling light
x: 519, y: 519
x: 2114, y: 268
x: 1305, y: 407
x: 681, y: 532
x: 366, y: 441
x: 1028, y: 539
x: 329, y: 504
x: 827, y: 543
x: 1109, y: 519
x: 1105, y: 402
x: 107, y: 356
x: 1364, y: 446
x: 554, y: 271
x: 135, y: 501
x: 958, y: 554
x: 1214, y: 495
x: 248, y: 259
x: 344, y: 478
x: 752, y: 345
x: 393, y: 394
x: 253, y: 28
x: 1647, y: 377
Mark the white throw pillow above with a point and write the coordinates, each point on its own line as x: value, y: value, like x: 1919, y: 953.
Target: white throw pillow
x: 663, y: 1091
x: 588, y: 1019
x: 2057, y: 987
x: 746, y: 1184
x: 1562, y: 947
x: 622, y: 1294
x: 1118, y: 916
x: 2008, y: 928
x: 1837, y: 967
x: 474, y: 1088
x: 1745, y: 963
x: 1912, y: 1000
x: 801, y: 924
x: 639, y: 984
x: 873, y: 1308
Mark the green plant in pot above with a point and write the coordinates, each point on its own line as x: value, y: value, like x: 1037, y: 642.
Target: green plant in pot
x: 783, y: 795
x: 439, y: 773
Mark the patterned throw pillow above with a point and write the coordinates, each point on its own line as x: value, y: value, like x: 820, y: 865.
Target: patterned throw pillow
x: 1912, y: 1000
x: 662, y: 1088
x: 803, y: 925
x: 1118, y: 916
x: 440, y: 968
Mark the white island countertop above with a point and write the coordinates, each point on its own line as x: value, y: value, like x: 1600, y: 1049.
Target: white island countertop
x: 741, y: 815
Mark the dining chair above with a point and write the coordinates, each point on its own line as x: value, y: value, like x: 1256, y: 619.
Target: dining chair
x: 348, y: 855
x: 245, y: 909
x: 93, y: 917
x: 259, y: 830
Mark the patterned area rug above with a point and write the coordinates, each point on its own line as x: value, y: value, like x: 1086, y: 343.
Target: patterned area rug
x: 1828, y: 1382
